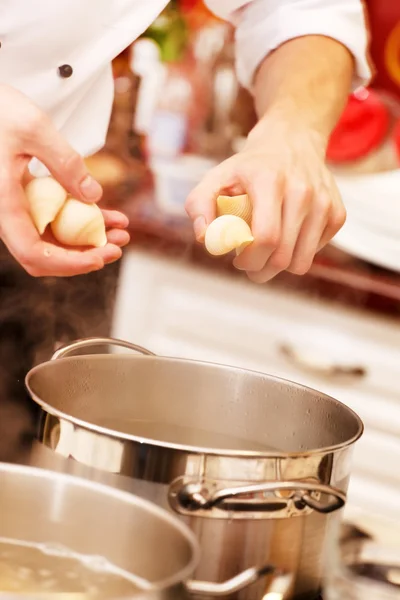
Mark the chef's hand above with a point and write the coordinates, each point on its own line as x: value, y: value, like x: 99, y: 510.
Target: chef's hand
x: 26, y: 132
x: 297, y: 208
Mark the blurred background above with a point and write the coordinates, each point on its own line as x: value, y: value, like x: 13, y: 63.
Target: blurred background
x: 178, y: 111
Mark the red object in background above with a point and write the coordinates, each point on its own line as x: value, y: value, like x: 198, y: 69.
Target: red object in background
x: 186, y: 5
x: 361, y: 128
x: 384, y: 22
x: 196, y: 13
x: 396, y: 138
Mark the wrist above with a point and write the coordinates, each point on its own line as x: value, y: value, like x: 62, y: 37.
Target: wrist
x: 286, y: 121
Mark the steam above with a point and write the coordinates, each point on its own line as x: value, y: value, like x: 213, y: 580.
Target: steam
x: 36, y: 316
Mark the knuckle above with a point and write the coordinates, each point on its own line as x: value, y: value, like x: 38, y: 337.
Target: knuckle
x: 191, y: 202
x: 280, y: 260
x: 34, y: 121
x: 324, y: 203
x: 263, y: 179
x: 339, y: 218
x: 304, y: 192
x: 74, y: 162
x: 270, y: 238
x: 191, y: 199
x: 27, y: 262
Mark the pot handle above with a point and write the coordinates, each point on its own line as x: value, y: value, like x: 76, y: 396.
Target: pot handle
x: 278, y: 588
x: 192, y: 497
x: 98, y: 341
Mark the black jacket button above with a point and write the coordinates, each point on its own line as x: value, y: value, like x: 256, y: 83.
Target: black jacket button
x: 65, y: 71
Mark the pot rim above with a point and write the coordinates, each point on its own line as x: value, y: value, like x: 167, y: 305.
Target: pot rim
x: 180, y: 577
x: 187, y: 448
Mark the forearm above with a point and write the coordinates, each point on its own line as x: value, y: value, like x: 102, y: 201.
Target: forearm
x: 305, y: 81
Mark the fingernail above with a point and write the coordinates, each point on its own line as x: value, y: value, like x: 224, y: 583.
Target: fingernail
x: 90, y: 189
x: 200, y: 227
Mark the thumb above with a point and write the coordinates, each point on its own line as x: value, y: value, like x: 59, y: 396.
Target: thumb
x: 65, y: 164
x: 201, y: 204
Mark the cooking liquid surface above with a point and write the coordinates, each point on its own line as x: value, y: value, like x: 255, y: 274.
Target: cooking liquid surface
x: 48, y: 568
x: 185, y: 436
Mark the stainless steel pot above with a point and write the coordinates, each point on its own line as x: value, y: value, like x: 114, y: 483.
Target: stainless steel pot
x: 257, y: 466
x: 42, y: 507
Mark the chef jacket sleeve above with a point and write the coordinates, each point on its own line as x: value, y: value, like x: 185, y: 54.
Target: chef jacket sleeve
x: 263, y: 25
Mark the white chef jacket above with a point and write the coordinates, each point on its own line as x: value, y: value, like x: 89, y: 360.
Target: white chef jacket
x: 83, y: 36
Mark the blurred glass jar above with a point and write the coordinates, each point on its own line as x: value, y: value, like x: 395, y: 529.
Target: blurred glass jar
x: 183, y: 118
x: 361, y: 569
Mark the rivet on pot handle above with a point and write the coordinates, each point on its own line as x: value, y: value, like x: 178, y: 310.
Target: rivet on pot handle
x: 195, y: 497
x: 279, y: 586
x: 98, y: 341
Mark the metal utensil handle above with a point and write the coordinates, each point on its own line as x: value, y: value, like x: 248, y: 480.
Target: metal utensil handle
x: 280, y: 583
x: 196, y: 496
x: 98, y: 341
x: 331, y: 370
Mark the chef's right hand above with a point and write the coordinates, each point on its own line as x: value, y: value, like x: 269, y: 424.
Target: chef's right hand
x: 26, y: 132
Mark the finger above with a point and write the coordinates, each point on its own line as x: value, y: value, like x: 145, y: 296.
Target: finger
x: 114, y: 218
x: 201, y: 202
x: 46, y: 143
x: 118, y: 237
x: 62, y: 262
x: 42, y: 257
x: 266, y: 193
x: 296, y: 206
x: 38, y: 257
x: 115, y: 237
x: 27, y: 177
x: 109, y: 253
x: 336, y: 221
x: 310, y: 236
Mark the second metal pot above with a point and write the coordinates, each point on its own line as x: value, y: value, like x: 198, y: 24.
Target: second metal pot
x: 257, y: 466
x: 53, y: 510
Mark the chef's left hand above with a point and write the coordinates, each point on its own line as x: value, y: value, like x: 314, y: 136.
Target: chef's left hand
x: 297, y: 207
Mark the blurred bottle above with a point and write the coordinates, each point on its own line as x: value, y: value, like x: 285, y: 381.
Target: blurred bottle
x: 170, y: 32
x: 225, y: 90
x: 150, y: 72
x: 184, y: 104
x: 159, y: 127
